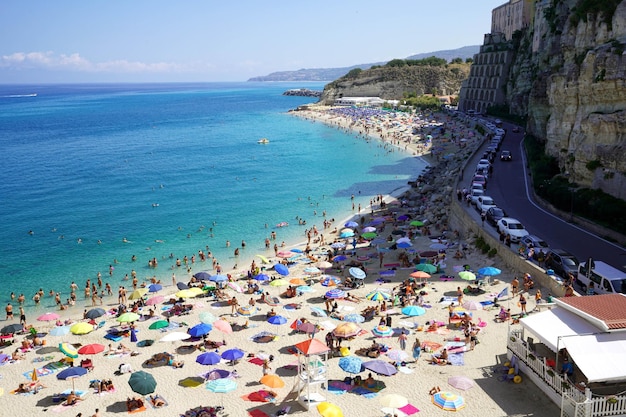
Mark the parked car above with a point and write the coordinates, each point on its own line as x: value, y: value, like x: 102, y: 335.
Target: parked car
x: 474, y: 194
x: 480, y: 179
x: 494, y: 214
x: 488, y: 156
x: 562, y: 262
x: 506, y: 156
x: 512, y: 227
x: 535, y: 242
x: 484, y: 203
x: 484, y: 172
x: 483, y: 163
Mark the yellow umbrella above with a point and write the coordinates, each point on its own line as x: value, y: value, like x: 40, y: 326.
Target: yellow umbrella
x: 279, y: 282
x: 138, y: 293
x: 196, y: 291
x: 185, y: 293
x: 81, y: 328
x: 327, y: 409
x: 263, y: 259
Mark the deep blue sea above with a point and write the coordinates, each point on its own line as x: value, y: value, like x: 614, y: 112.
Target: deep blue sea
x: 171, y: 168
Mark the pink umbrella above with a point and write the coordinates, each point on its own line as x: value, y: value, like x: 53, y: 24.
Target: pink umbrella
x: 48, y: 317
x: 223, y: 326
x: 235, y: 286
x: 157, y: 299
x: 285, y: 254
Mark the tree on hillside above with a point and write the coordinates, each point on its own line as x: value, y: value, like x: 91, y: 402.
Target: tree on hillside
x: 457, y: 61
x: 469, y: 60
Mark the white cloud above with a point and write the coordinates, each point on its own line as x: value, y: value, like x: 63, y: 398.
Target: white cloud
x: 74, y: 62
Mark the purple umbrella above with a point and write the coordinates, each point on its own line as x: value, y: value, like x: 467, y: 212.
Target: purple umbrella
x: 208, y: 358
x: 380, y: 367
x: 216, y: 374
x: 335, y: 293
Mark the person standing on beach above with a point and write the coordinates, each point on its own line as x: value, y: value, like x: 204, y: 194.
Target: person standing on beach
x: 9, y: 310
x: 402, y: 339
x: 417, y: 349
x: 22, y: 316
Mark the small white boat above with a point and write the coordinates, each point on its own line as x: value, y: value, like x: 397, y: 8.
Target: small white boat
x: 263, y: 140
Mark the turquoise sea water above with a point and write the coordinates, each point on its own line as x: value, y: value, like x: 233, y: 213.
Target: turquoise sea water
x: 84, y: 166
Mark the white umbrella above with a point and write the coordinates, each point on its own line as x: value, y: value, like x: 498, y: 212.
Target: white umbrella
x: 174, y: 337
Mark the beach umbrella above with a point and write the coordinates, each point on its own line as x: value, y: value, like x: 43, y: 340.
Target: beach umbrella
x: 182, y: 286
x: 68, y: 350
x: 223, y: 385
x: 380, y: 367
x: 378, y: 241
x: 377, y: 295
x: 196, y: 291
x: 297, y: 281
x: 413, y: 311
x: 489, y: 271
x: 472, y: 305
x: 346, y: 234
x: 281, y: 269
x: 202, y: 275
x: 416, y: 223
x: 128, y: 317
x: 324, y: 264
x: 327, y: 409
x: 397, y: 355
x: 263, y: 259
x: 307, y: 327
x: 351, y: 364
x: 428, y: 268
x: 142, y: 383
x: 81, y: 328
x: 285, y: 254
x: 279, y: 282
x: 157, y: 299
x: 461, y: 382
x: 72, y: 373
x: 234, y: 286
x: 191, y: 382
x: 438, y: 246
x: 218, y: 278
x: 223, y: 326
x: 155, y: 287
x: 394, y: 401
x: 404, y: 245
x: 216, y: 374
x: 232, y: 354
x: 208, y: 358
x: 398, y: 232
x: 174, y: 337
x: 448, y: 401
x: 94, y: 313
x: 312, y: 270
x: 338, y: 245
x: 159, y: 324
x: 185, y: 293
x: 403, y: 218
x: 262, y: 277
x: 4, y: 358
x: 296, y: 250
x: 277, y: 320
x: 48, y: 317
x: 354, y: 318
x: 200, y: 330
x: 59, y: 330
x: 369, y: 235
x: 138, y: 293
x: 351, y: 224
x: 382, y: 331
x: 419, y: 274
x: 346, y: 330
x: 246, y: 310
x: 428, y: 254
x: 207, y: 317
x: 335, y: 293
x: 357, y: 273
x: 369, y: 229
x: 12, y: 328
x: 467, y: 275
x: 272, y: 381
x: 318, y: 311
x: 91, y: 349
x: 330, y: 280
x: 339, y: 258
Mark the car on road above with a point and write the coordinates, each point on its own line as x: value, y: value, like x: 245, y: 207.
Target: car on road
x: 506, y: 156
x: 484, y: 203
x: 494, y: 214
x: 512, y: 227
x: 562, y: 262
x: 481, y: 179
x: 474, y: 194
x: 483, y: 164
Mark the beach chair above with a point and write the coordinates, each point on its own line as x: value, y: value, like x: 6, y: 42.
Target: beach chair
x: 87, y: 364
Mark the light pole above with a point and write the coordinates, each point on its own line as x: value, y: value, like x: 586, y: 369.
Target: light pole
x: 571, y: 207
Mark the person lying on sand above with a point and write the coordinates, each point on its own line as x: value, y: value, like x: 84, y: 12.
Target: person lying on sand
x: 157, y: 401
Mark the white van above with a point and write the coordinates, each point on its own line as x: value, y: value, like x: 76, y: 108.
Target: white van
x: 605, y: 278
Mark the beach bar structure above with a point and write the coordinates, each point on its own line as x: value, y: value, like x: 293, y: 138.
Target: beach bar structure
x: 574, y: 353
x: 312, y: 372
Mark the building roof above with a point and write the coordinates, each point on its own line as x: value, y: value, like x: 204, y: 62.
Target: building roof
x: 606, y: 311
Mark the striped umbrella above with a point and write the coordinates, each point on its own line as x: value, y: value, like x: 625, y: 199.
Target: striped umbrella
x: 247, y: 310
x: 382, y: 331
x: 222, y: 385
x: 335, y: 293
x: 68, y: 350
x: 330, y: 280
x: 448, y: 401
x: 354, y: 318
x: 378, y: 295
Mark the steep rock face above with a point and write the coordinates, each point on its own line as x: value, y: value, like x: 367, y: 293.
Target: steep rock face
x: 573, y: 90
x: 392, y: 83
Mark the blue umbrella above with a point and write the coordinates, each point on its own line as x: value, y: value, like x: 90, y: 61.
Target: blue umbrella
x: 335, y: 293
x: 351, y: 224
x: 340, y: 258
x: 330, y: 280
x: 413, y: 311
x: 354, y: 318
x: 357, y: 273
x: 232, y: 354
x: 182, y: 286
x: 277, y: 320
x: 318, y: 312
x: 489, y: 271
x: 404, y: 245
x: 200, y: 329
x: 304, y: 288
x: 218, y: 278
x: 281, y: 269
x: 296, y: 250
x: 203, y: 276
x: 262, y: 277
x: 380, y: 367
x: 351, y: 364
x: 59, y: 330
x: 72, y: 373
x: 208, y: 358
x: 346, y: 234
x: 155, y: 287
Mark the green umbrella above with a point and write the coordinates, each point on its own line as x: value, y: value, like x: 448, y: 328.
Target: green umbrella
x: 369, y: 235
x: 158, y: 325
x: 428, y: 268
x: 128, y: 317
x: 142, y: 383
x: 417, y: 223
x: 467, y: 275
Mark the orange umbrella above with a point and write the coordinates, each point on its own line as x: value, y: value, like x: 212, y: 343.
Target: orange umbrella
x: 297, y: 281
x: 419, y: 274
x: 272, y: 381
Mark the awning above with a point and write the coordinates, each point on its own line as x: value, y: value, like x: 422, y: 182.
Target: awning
x: 600, y: 357
x: 551, y: 324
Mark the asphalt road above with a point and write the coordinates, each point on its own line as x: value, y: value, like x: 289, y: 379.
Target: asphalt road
x: 509, y: 187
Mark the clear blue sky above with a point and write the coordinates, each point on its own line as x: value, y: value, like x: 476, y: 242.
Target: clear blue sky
x: 207, y: 40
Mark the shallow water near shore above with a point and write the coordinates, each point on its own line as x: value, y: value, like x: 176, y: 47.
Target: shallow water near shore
x: 173, y: 169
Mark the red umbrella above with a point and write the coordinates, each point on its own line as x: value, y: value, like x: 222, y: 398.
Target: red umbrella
x: 91, y: 349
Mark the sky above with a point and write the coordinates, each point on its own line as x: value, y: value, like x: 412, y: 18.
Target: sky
x: 63, y: 41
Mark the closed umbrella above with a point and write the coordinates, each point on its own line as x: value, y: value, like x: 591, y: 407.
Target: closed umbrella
x: 81, y: 328
x: 461, y: 382
x: 351, y: 364
x: 208, y: 358
x: 223, y: 385
x: 128, y: 317
x: 448, y: 401
x: 281, y: 269
x: 159, y: 324
x: 200, y: 330
x: 327, y: 409
x: 380, y: 367
x: 272, y: 381
x: 357, y: 273
x: 142, y: 383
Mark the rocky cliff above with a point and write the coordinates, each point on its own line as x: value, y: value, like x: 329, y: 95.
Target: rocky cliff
x: 391, y: 83
x: 569, y: 78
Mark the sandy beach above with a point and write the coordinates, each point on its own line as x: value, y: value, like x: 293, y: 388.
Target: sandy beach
x: 183, y: 388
